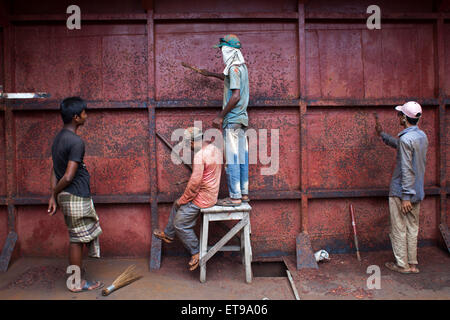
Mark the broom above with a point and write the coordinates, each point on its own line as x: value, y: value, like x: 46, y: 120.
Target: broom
x: 127, y: 277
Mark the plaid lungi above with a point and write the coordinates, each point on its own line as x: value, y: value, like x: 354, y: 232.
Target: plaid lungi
x: 81, y: 220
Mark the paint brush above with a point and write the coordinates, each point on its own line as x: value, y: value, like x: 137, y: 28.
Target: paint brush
x: 184, y: 64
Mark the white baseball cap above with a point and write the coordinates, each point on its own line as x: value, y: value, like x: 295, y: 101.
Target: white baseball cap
x: 192, y: 134
x: 411, y: 109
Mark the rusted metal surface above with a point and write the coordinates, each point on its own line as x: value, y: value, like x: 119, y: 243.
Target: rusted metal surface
x: 316, y: 74
x: 116, y: 151
x: 373, y: 223
x: 361, y: 63
x: 345, y: 153
x: 2, y: 155
x: 273, y: 74
x: 40, y: 235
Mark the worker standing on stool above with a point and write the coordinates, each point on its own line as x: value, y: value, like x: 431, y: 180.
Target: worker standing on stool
x: 201, y: 192
x: 233, y: 118
x: 406, y: 189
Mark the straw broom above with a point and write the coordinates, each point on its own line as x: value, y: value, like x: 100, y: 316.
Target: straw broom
x: 127, y: 277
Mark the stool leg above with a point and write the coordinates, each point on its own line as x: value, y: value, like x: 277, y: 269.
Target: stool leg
x: 242, y: 242
x: 250, y: 234
x: 247, y: 249
x: 204, y: 246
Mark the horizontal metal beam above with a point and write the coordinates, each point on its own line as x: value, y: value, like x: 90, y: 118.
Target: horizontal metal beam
x: 384, y: 16
x: 103, y: 199
x: 158, y: 17
x: 17, y: 105
x: 164, y: 197
x: 218, y: 103
x: 226, y: 15
x: 350, y: 102
x: 361, y: 193
x: 84, y: 17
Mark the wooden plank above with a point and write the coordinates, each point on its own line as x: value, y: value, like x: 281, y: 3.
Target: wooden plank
x: 204, y: 247
x: 226, y: 216
x: 225, y: 209
x: 247, y: 253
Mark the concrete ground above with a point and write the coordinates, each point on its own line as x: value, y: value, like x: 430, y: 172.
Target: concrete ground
x: 340, y: 278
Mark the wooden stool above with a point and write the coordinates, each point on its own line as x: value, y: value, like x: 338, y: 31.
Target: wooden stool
x: 220, y: 213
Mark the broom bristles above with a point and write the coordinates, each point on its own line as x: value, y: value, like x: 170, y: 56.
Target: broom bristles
x: 127, y: 277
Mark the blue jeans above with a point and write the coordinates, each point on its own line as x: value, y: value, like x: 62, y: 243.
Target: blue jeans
x: 236, y: 156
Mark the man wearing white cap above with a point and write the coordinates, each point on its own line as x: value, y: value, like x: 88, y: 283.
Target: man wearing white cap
x: 407, y: 187
x: 201, y: 192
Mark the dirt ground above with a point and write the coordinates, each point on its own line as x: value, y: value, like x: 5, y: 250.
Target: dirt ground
x: 340, y: 278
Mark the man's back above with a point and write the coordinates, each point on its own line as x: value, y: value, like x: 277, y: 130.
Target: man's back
x: 67, y: 146
x: 408, y: 178
x: 203, y: 186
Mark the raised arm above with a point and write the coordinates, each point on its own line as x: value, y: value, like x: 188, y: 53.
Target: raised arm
x: 204, y: 72
x: 387, y: 139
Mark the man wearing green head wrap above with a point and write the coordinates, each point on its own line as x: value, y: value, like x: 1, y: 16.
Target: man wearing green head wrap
x: 233, y: 118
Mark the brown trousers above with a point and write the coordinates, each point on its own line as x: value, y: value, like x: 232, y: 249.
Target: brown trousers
x: 404, y: 232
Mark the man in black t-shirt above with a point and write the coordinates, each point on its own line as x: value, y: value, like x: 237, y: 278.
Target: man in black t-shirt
x: 71, y: 191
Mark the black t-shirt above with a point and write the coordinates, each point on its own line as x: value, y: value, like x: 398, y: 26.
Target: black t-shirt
x: 68, y: 146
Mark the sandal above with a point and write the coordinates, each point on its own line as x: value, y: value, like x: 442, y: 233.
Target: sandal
x: 162, y: 236
x: 394, y: 267
x: 227, y: 202
x: 89, y: 286
x: 245, y: 198
x: 416, y: 270
x: 195, y: 260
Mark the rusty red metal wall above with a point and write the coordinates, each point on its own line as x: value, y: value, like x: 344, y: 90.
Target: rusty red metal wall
x: 316, y: 73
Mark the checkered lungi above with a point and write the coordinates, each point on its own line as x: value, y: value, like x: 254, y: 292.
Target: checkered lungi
x: 81, y: 220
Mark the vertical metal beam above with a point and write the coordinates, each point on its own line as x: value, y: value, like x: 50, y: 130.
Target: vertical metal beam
x: 155, y: 253
x: 302, y: 110
x: 10, y: 154
x: 304, y: 253
x: 442, y: 175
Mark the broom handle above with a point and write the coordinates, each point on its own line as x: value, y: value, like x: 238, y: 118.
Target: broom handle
x: 354, y: 233
x: 108, y: 290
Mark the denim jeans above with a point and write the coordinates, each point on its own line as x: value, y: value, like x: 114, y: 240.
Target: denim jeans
x: 236, y: 157
x: 181, y: 223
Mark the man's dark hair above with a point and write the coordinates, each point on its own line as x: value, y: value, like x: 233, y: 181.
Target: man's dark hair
x: 70, y: 107
x: 413, y: 121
